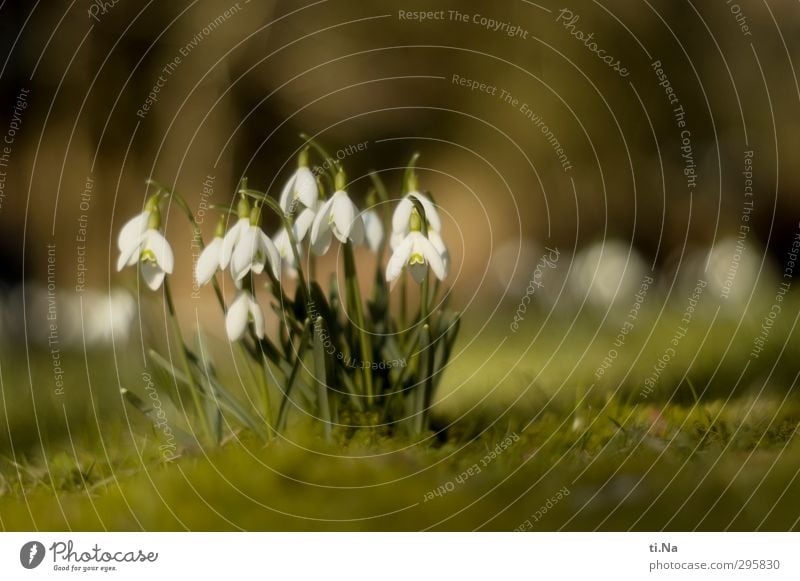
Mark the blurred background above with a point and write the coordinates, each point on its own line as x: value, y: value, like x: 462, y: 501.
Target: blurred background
x: 625, y: 142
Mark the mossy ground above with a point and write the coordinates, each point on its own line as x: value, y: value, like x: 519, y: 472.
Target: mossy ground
x: 714, y: 447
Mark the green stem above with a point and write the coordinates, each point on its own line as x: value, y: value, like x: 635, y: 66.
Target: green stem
x: 321, y: 378
x: 265, y: 391
x: 184, y: 359
x: 301, y: 350
x: 364, y: 340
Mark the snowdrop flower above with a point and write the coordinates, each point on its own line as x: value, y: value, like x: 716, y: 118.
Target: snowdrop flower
x: 401, y: 220
x: 417, y: 253
x: 234, y: 235
x: 373, y: 230
x: 301, y: 187
x: 402, y: 216
x: 243, y: 310
x: 253, y: 250
x: 211, y: 258
x: 133, y: 230
x: 147, y: 246
x: 337, y: 217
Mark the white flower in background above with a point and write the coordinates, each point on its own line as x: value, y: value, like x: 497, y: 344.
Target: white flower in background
x: 253, y: 250
x: 337, y: 217
x: 373, y: 230
x: 147, y: 246
x: 301, y: 187
x: 284, y: 246
x: 243, y: 310
x: 210, y: 259
x: 417, y: 253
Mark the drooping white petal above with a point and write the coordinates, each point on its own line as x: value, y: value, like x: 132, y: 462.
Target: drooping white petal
x: 323, y: 242
x: 270, y: 252
x: 208, y: 262
x: 432, y: 257
x: 300, y: 188
x: 284, y: 247
x: 230, y: 241
x: 236, y: 317
x: 401, y: 216
x: 257, y: 315
x: 132, y: 231
x: 321, y: 229
x: 399, y: 258
x: 396, y: 239
x: 152, y: 274
x: 130, y: 255
x: 162, y: 251
x: 285, y: 201
x: 303, y: 222
x: 440, y: 247
x: 344, y: 214
x: 305, y: 187
x: 244, y: 253
x: 373, y: 229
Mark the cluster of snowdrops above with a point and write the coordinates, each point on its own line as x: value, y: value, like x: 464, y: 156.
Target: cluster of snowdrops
x: 325, y: 360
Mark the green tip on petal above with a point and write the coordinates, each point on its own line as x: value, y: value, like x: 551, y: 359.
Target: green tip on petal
x: 412, y: 183
x: 219, y: 230
x: 152, y: 202
x: 243, y: 207
x: 341, y: 180
x: 255, y: 215
x: 154, y: 220
x: 302, y: 158
x: 415, y: 221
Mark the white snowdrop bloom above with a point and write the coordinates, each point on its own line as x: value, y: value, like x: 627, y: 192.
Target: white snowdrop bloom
x: 231, y: 240
x: 417, y: 253
x: 151, y: 250
x: 373, y: 229
x: 402, y: 216
x: 337, y: 217
x: 243, y: 310
x: 234, y: 235
x: 253, y: 250
x: 300, y: 188
x: 132, y: 231
x: 209, y: 261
